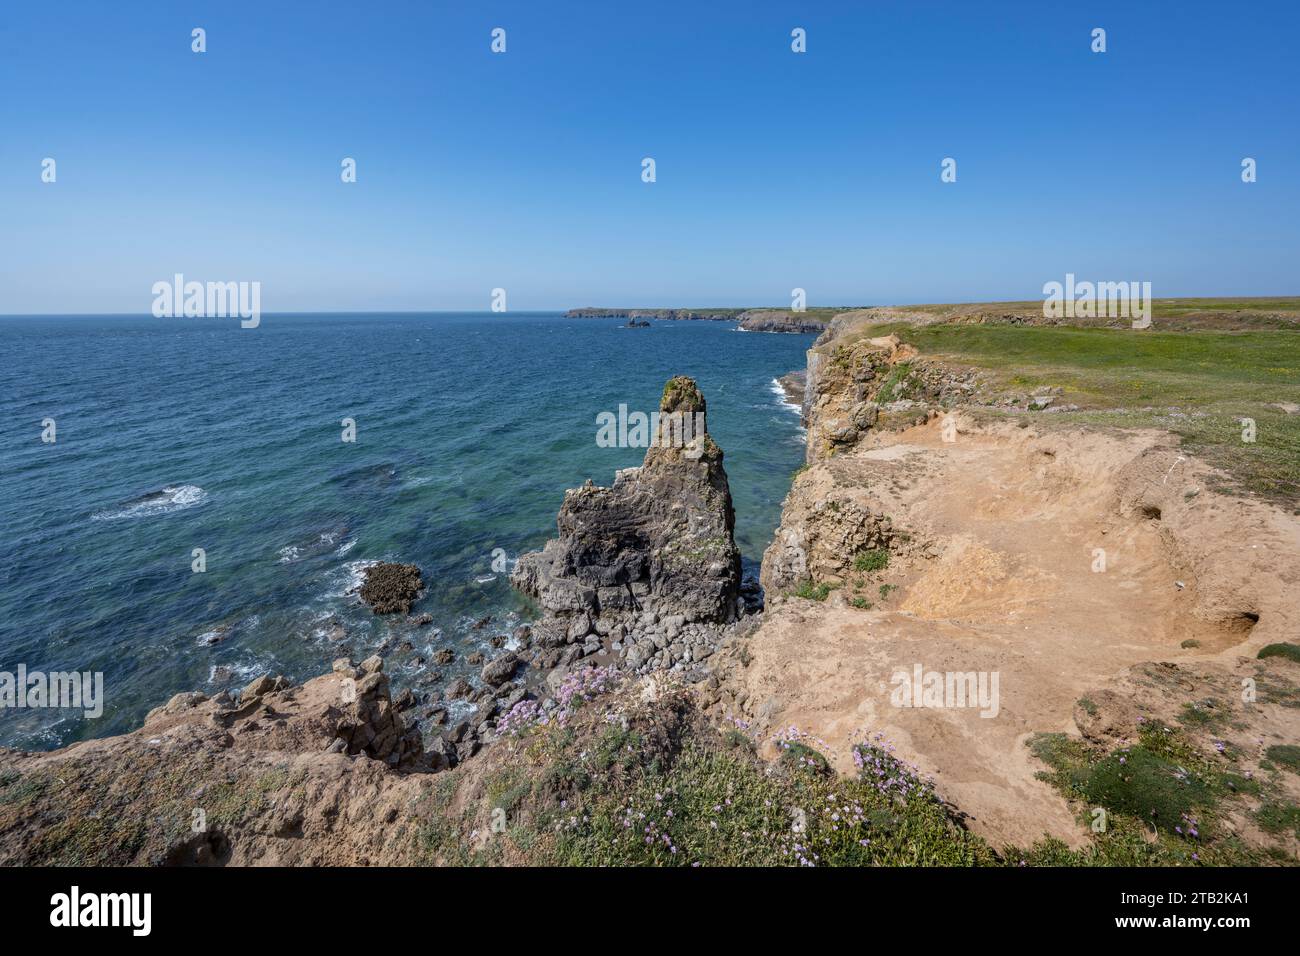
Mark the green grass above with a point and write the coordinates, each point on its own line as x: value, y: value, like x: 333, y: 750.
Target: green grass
x: 1174, y: 308
x: 1208, y: 713
x: 1199, y: 385
x: 1171, y: 368
x: 1279, y: 817
x: 1248, y: 312
x: 1144, y: 785
x: 1290, y: 652
x: 1163, y: 800
x: 1285, y: 755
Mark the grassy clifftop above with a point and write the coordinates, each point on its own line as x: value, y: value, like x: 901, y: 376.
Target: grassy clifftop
x: 1205, y: 374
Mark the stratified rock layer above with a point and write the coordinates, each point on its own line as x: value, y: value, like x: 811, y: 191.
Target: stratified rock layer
x: 659, y: 541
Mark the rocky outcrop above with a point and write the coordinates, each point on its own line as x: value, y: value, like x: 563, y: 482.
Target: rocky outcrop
x: 857, y: 383
x: 822, y: 529
x: 391, y: 588
x: 847, y: 383
x: 308, y: 774
x: 369, y: 722
x: 774, y: 320
x: 659, y: 542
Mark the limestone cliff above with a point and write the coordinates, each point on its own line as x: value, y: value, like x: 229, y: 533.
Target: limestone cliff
x: 777, y: 320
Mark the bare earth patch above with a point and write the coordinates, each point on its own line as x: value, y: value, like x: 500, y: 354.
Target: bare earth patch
x: 996, y: 538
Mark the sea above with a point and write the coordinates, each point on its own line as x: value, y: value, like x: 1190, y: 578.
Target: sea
x: 198, y: 518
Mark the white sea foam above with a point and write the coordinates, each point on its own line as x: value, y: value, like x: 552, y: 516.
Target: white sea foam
x: 457, y: 709
x: 230, y: 674
x: 775, y: 386
x: 288, y: 553
x: 169, y: 499
x: 345, y: 547
x: 347, y: 579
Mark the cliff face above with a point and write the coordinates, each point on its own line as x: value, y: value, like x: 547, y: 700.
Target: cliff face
x: 857, y: 383
x: 774, y: 320
x: 659, y: 541
x: 847, y: 384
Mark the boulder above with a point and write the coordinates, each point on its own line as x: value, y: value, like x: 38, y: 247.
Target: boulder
x: 501, y: 669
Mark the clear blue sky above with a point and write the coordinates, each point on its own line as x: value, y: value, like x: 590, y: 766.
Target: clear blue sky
x: 522, y: 170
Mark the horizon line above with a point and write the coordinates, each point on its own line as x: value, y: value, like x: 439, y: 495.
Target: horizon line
x: 702, y: 308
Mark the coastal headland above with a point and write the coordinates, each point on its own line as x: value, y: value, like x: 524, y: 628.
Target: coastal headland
x: 1033, y: 575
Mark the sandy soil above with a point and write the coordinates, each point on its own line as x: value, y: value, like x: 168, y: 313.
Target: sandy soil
x: 998, y: 577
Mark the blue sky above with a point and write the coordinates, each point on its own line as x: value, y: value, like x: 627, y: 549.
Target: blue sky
x: 523, y: 170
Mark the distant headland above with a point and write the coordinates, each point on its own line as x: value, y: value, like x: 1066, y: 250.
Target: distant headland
x: 809, y: 321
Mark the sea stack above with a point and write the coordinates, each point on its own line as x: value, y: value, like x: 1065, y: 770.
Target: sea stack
x: 658, y: 542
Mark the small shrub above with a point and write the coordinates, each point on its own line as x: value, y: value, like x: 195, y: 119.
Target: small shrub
x: 1289, y: 651
x: 876, y: 559
x: 796, y: 751
x: 814, y: 592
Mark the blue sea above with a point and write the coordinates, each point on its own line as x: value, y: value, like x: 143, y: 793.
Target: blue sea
x: 177, y: 434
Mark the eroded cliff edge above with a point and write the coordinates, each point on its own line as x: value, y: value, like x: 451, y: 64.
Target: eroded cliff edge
x: 945, y: 527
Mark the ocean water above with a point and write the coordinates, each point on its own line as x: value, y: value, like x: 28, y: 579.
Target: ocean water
x: 176, y: 434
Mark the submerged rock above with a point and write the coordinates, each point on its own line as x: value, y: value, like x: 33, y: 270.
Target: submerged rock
x: 391, y: 588
x: 659, y: 541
